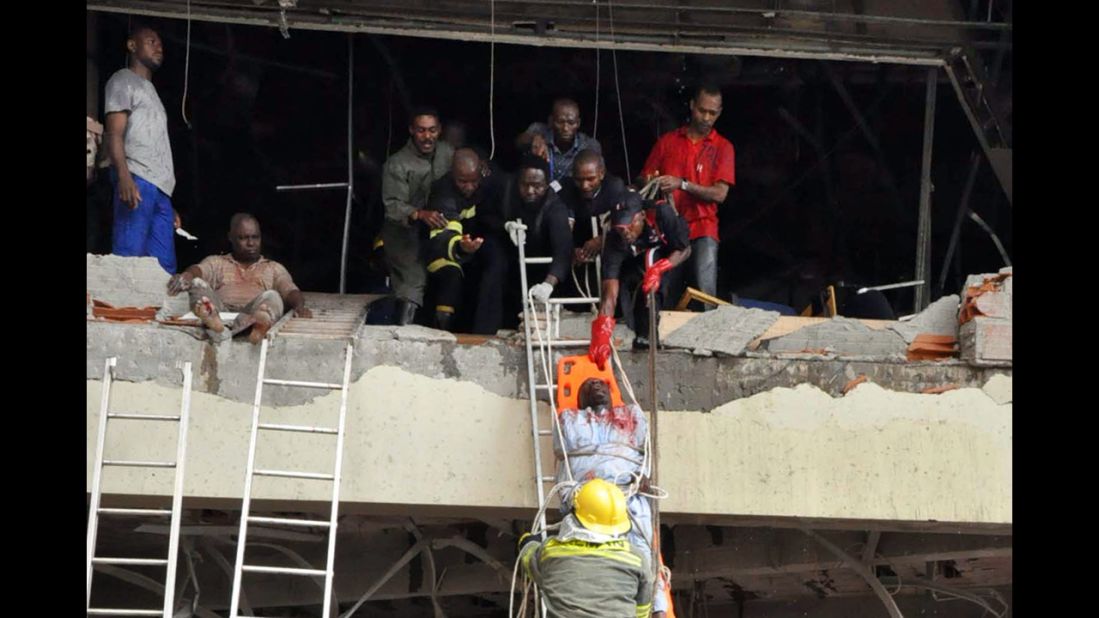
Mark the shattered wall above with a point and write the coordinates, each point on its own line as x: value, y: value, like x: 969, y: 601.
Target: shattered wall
x: 411, y: 440
x: 439, y: 426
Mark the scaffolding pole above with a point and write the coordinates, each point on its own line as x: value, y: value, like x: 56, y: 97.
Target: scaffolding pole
x: 923, y: 236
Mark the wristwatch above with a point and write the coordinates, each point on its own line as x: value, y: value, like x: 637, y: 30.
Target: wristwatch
x: 683, y: 184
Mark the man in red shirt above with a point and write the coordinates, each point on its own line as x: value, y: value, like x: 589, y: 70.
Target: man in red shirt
x: 695, y: 166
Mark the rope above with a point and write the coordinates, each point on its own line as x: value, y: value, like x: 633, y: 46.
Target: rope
x: 543, y: 353
x: 618, y: 92
x: 595, y: 114
x: 186, y: 68
x: 492, y: 79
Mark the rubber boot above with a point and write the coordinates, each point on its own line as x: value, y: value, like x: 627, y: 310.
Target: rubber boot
x: 443, y: 320
x: 406, y: 312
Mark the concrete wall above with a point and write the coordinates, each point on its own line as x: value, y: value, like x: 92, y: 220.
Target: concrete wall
x: 872, y: 455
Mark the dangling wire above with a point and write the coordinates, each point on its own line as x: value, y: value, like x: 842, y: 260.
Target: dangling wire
x: 492, y: 78
x: 595, y: 112
x: 186, y: 69
x: 618, y: 92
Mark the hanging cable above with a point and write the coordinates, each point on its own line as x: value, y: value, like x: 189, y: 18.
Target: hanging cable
x: 492, y: 79
x: 186, y: 68
x: 595, y: 112
x: 618, y: 92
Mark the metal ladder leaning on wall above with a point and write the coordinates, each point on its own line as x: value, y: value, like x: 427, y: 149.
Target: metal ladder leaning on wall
x: 95, y: 511
x: 546, y: 362
x: 246, y: 518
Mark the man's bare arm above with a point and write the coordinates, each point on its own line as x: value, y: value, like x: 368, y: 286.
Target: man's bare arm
x: 680, y: 256
x: 115, y: 137
x: 609, y: 297
x: 296, y: 301
x: 182, y: 281
x: 717, y: 193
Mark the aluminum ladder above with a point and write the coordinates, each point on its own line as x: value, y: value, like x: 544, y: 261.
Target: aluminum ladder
x: 546, y: 356
x: 95, y: 511
x: 246, y: 518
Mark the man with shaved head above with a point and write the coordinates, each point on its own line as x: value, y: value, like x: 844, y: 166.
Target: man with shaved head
x: 559, y: 140
x: 258, y: 289
x: 137, y: 145
x: 454, y: 197
x: 468, y: 197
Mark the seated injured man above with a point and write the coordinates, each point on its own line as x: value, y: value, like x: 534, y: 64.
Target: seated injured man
x: 258, y: 289
x: 608, y: 442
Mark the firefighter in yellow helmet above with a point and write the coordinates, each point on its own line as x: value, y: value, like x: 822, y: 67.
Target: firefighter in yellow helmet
x: 590, y: 570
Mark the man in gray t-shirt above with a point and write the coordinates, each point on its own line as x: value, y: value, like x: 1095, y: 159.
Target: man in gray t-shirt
x: 141, y: 156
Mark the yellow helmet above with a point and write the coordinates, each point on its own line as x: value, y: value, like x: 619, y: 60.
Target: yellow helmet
x: 601, y: 507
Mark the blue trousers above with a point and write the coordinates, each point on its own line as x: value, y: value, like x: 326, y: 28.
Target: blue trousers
x: 147, y: 230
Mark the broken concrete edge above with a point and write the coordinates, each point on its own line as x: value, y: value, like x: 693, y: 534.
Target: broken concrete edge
x: 688, y: 381
x: 997, y: 388
x: 727, y: 330
x: 437, y: 354
x: 939, y: 318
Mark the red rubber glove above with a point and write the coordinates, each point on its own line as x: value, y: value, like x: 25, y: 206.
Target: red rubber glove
x: 602, y: 327
x: 651, y: 282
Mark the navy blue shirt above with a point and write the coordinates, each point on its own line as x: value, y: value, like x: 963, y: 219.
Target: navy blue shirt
x: 561, y: 162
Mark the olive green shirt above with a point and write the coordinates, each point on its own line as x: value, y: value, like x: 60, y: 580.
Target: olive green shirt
x: 407, y: 178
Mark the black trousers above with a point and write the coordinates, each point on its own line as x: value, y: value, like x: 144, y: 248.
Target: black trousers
x: 485, y: 278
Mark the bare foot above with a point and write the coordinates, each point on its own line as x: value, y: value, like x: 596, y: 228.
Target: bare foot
x: 264, y: 321
x: 206, y: 312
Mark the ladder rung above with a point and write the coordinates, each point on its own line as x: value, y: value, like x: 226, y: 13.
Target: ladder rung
x: 139, y: 464
x: 282, y: 570
x: 164, y: 512
x: 309, y: 523
x: 296, y: 475
x: 538, y: 260
x: 582, y: 300
x: 545, y: 432
x: 132, y: 561
x: 143, y: 417
x: 303, y: 384
x: 94, y: 611
x: 297, y: 428
x: 549, y: 387
x: 569, y: 342
x: 549, y: 479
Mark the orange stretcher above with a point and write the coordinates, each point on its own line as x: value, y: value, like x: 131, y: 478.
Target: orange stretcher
x: 572, y: 371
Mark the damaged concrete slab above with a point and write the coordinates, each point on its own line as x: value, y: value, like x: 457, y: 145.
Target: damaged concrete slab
x: 688, y: 381
x: 842, y: 337
x: 940, y: 318
x: 131, y: 282
x: 150, y: 351
x: 726, y: 329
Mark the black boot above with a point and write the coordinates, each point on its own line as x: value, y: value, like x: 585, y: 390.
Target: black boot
x: 443, y: 320
x: 406, y: 312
